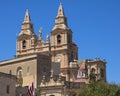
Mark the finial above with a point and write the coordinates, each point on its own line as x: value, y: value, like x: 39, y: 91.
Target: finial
x: 27, y: 17
x: 40, y: 34
x: 60, y: 11
x: 60, y: 3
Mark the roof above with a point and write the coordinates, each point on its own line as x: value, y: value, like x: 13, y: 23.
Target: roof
x: 17, y: 59
x: 81, y: 80
x: 7, y: 75
x: 21, y: 59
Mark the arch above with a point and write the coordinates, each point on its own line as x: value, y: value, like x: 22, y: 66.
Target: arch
x: 24, y: 44
x: 58, y: 39
x: 93, y: 70
x: 19, y: 72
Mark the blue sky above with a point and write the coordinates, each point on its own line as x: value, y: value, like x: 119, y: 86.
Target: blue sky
x: 95, y: 25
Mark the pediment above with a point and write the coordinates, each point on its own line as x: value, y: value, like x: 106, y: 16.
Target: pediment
x: 24, y: 36
x: 59, y: 31
x: 56, y: 31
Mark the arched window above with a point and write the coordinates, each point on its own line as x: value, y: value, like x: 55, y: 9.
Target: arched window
x: 23, y: 44
x: 19, y: 72
x: 58, y: 39
x: 93, y: 70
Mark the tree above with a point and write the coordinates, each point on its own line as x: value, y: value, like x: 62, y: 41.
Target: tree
x: 37, y: 91
x: 100, y: 89
x: 118, y: 93
x: 92, y: 76
x: 97, y: 88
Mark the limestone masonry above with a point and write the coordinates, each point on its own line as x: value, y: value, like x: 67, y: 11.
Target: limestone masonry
x: 51, y: 65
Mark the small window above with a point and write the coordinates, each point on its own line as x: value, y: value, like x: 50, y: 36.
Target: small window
x: 10, y: 72
x: 28, y: 69
x: 44, y: 69
x: 58, y: 39
x: 8, y: 89
x: 23, y: 44
x: 81, y: 74
x: 19, y: 72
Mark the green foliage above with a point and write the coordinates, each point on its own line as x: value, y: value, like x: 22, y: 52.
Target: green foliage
x: 97, y: 88
x: 92, y: 75
x: 100, y: 89
x: 37, y: 91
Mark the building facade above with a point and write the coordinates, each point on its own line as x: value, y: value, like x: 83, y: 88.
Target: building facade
x: 88, y: 66
x: 7, y: 84
x: 58, y: 86
x: 36, y: 58
x: 27, y: 69
x: 61, y: 48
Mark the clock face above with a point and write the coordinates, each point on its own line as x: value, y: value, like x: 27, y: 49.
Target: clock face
x: 58, y: 59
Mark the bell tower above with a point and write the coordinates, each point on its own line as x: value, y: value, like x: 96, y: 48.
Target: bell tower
x: 61, y: 34
x: 63, y: 49
x: 26, y: 39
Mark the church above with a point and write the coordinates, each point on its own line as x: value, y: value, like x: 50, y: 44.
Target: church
x: 53, y: 64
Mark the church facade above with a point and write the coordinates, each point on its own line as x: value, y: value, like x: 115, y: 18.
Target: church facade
x: 51, y: 62
x: 61, y: 47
